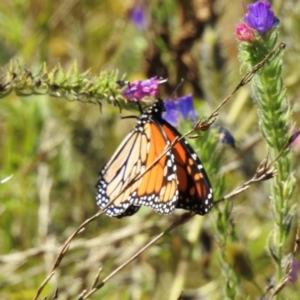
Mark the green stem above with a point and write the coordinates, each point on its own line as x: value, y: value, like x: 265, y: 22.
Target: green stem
x: 274, y: 116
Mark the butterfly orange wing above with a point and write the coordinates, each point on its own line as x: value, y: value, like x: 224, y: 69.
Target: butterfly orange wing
x: 195, y: 192
x: 157, y: 188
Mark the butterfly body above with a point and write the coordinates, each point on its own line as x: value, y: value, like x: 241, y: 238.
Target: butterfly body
x: 130, y: 179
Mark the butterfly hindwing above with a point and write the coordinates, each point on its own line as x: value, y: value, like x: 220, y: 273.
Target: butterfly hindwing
x: 131, y: 210
x: 195, y: 192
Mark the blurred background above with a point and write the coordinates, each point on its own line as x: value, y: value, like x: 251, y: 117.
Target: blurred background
x: 54, y: 149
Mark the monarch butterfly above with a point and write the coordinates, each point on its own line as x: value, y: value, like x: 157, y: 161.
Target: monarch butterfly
x: 177, y: 180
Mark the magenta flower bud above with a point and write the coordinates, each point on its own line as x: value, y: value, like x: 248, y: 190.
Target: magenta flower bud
x: 243, y: 33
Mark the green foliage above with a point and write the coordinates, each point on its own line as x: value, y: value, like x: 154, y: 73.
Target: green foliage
x: 274, y: 121
x: 70, y: 85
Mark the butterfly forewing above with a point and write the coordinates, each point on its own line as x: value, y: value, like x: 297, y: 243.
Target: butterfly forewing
x: 157, y: 183
x: 158, y: 188
x: 114, y: 177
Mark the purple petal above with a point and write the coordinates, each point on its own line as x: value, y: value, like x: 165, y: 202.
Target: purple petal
x: 275, y: 22
x: 171, y: 114
x: 295, y: 139
x: 225, y: 136
x: 293, y: 276
x: 260, y: 16
x: 185, y: 107
x: 138, y: 89
x: 138, y: 16
x: 132, y: 91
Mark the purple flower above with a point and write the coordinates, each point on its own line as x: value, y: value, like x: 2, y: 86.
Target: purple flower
x: 261, y: 17
x: 138, y: 16
x: 225, y: 136
x: 171, y: 114
x: 138, y: 89
x: 180, y: 108
x: 276, y: 22
x: 243, y: 33
x: 294, y: 140
x: 186, y: 107
x: 293, y: 273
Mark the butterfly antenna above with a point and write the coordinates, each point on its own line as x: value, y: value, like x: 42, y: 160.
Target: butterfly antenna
x: 176, y: 89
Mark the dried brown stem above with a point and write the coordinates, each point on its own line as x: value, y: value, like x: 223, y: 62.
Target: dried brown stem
x: 246, y: 79
x: 263, y: 172
x: 40, y: 289
x: 178, y: 221
x: 64, y: 251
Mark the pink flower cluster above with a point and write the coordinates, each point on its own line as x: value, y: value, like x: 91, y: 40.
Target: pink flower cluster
x: 138, y: 89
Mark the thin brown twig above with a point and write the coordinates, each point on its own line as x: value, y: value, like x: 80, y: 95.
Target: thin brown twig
x: 40, y: 289
x: 55, y: 296
x: 68, y: 241
x: 113, y: 237
x: 260, y: 175
x: 96, y: 280
x: 178, y: 221
x: 64, y: 250
x: 246, y: 79
x: 263, y: 172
